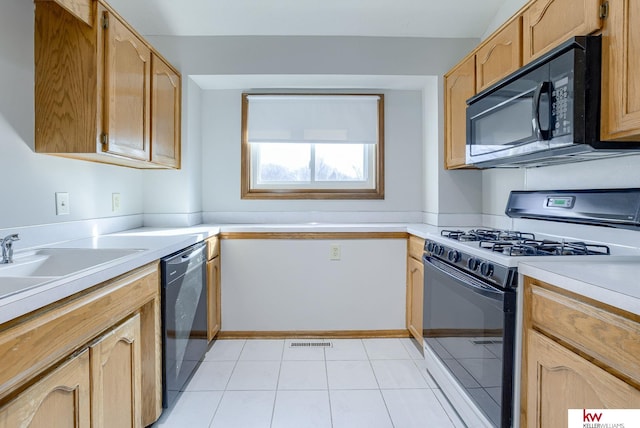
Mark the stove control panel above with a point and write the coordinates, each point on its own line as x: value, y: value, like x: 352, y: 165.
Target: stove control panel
x: 489, y: 271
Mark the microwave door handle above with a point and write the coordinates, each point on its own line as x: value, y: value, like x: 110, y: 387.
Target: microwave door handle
x: 541, y: 134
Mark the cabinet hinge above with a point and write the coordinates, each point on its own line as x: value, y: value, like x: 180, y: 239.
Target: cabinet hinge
x: 104, y: 140
x: 604, y: 10
x: 105, y: 21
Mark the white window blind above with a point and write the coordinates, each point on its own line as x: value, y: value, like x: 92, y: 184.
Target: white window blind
x: 315, y: 119
x: 312, y: 146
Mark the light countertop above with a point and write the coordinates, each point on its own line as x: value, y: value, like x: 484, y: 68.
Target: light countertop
x: 614, y: 281
x: 610, y: 281
x: 154, y: 244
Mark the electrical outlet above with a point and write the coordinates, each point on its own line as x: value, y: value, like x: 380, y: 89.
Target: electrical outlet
x: 62, y: 203
x: 115, y: 202
x: 334, y: 252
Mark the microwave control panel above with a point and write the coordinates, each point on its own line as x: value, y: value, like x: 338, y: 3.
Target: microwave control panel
x: 560, y: 107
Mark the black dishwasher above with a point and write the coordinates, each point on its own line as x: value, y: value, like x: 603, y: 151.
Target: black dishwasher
x: 184, y: 318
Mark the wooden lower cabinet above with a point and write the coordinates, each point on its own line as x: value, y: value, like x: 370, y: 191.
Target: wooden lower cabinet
x: 415, y: 286
x: 84, y: 361
x: 577, y: 354
x: 559, y: 379
x: 61, y: 396
x: 213, y: 298
x: 116, y: 377
x: 415, y: 289
x: 98, y: 388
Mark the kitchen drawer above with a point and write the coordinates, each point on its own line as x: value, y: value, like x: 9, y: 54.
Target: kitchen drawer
x: 416, y: 247
x: 213, y: 247
x: 608, y: 337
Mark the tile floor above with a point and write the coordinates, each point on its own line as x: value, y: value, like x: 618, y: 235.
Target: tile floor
x: 355, y: 383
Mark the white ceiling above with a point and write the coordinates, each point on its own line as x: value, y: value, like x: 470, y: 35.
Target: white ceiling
x: 289, y: 81
x: 382, y: 18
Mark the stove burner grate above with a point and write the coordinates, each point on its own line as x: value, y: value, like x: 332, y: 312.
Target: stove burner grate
x: 532, y: 247
x: 482, y: 235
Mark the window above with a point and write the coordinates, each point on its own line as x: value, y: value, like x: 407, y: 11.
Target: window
x: 322, y: 146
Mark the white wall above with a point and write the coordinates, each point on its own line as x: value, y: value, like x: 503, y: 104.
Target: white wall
x: 284, y: 285
x: 221, y: 173
x: 506, y: 11
x: 453, y: 198
x: 174, y: 197
x: 240, y: 55
x: 28, y: 180
x: 497, y: 183
x: 296, y: 56
x: 177, y: 197
x: 620, y: 172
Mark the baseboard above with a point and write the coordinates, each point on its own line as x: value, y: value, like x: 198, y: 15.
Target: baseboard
x: 314, y: 334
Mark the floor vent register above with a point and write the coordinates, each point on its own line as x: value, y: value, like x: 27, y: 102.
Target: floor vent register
x: 310, y: 345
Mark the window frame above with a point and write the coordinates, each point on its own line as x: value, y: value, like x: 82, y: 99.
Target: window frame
x: 296, y: 191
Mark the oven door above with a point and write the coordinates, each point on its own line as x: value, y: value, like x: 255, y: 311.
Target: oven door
x: 469, y: 326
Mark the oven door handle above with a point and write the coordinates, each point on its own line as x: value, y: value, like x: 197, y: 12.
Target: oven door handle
x: 464, y: 279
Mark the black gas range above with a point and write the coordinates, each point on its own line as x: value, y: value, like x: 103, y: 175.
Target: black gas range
x: 486, y: 253
x: 470, y: 292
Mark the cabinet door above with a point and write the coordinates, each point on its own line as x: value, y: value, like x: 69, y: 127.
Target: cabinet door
x: 559, y: 379
x: 620, y: 65
x: 127, y: 88
x: 460, y: 85
x: 165, y: 114
x: 213, y: 298
x: 499, y: 56
x: 415, y: 290
x: 61, y: 396
x: 548, y: 23
x: 116, y: 377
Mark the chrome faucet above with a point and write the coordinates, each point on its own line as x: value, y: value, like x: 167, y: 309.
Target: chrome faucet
x: 7, y: 248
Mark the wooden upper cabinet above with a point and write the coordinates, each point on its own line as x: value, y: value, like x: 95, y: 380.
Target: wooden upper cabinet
x: 94, y: 89
x: 165, y: 111
x: 81, y: 9
x: 548, y: 23
x: 620, y: 65
x: 500, y: 55
x: 460, y: 85
x: 127, y: 88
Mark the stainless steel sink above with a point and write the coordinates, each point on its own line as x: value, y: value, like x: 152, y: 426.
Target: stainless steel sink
x: 43, y: 265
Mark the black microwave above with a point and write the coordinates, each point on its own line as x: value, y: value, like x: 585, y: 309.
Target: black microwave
x: 546, y: 112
